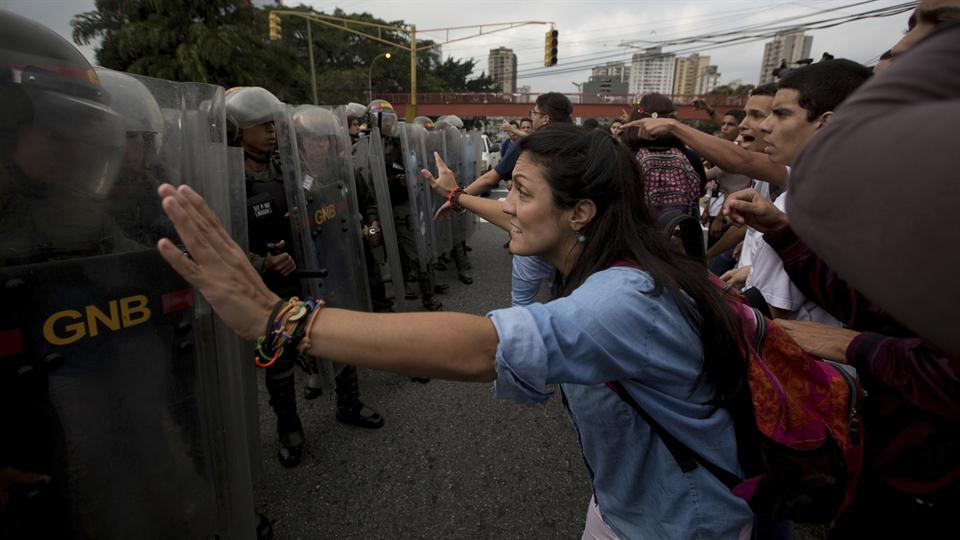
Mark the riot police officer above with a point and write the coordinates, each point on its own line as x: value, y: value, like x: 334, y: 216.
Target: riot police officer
x: 382, y: 115
x: 102, y: 405
x: 252, y: 110
x: 459, y: 251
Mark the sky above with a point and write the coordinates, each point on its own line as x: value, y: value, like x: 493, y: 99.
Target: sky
x: 590, y: 31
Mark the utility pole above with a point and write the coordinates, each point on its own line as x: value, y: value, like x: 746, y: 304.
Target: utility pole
x: 313, y: 66
x: 342, y: 24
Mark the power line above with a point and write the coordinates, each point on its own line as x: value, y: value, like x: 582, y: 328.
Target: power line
x: 738, y: 40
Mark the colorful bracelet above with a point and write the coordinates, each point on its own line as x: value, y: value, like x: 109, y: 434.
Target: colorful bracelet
x: 289, y: 325
x: 454, y: 198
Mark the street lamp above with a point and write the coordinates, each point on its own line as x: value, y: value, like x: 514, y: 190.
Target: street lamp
x: 370, y: 74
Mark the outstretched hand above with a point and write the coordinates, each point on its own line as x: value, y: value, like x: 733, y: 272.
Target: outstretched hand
x: 216, y: 266
x: 749, y: 207
x: 445, y: 183
x: 652, y: 128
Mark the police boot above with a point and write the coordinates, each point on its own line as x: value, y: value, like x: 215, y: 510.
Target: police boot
x: 463, y: 264
x: 350, y: 410
x: 283, y: 400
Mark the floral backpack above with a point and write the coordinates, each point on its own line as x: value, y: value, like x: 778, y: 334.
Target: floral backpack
x: 799, y: 440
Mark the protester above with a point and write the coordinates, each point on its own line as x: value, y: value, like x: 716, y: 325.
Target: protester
x: 802, y: 106
x: 674, y: 175
x: 746, y: 158
x: 510, y: 128
x: 627, y: 309
x: 615, y: 128
x: 911, y: 477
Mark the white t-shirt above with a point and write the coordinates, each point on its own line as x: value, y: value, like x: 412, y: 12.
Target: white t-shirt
x: 769, y: 277
x: 716, y: 205
x: 753, y: 238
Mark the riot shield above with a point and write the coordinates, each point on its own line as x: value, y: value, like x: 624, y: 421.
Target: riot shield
x: 420, y: 218
x: 372, y: 166
x: 453, y: 156
x: 319, y: 180
x: 114, y: 380
x: 472, y: 145
x: 443, y: 225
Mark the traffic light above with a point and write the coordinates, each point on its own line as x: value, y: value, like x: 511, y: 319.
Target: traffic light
x: 275, y: 32
x: 550, y: 49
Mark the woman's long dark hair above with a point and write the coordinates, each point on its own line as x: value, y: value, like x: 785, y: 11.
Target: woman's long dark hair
x: 580, y: 164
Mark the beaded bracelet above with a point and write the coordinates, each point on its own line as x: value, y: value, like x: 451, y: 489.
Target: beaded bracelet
x: 454, y: 198
x: 289, y: 325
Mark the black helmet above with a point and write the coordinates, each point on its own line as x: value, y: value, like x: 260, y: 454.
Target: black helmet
x: 74, y: 138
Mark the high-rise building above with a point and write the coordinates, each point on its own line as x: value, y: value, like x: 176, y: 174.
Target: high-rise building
x: 787, y: 46
x: 686, y: 79
x: 614, y: 71
x: 652, y: 71
x: 502, y: 66
x: 708, y: 80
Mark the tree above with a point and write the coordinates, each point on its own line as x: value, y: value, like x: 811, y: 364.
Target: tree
x: 225, y: 42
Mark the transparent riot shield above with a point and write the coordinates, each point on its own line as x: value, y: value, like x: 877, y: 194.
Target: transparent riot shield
x: 420, y: 218
x: 371, y: 164
x: 472, y: 145
x: 113, y: 381
x: 453, y: 156
x: 443, y: 225
x: 322, y: 200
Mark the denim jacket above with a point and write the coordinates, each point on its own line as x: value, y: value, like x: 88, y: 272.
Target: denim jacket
x: 610, y: 329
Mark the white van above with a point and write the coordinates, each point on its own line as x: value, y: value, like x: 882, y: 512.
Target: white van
x: 490, y: 157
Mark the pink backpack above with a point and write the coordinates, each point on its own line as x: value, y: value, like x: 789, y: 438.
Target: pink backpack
x: 669, y: 181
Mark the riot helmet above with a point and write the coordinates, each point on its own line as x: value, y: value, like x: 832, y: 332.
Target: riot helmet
x: 381, y: 115
x: 449, y: 120
x: 56, y: 123
x: 424, y: 122
x: 356, y: 110
x: 247, y: 107
x: 142, y: 119
x: 319, y: 137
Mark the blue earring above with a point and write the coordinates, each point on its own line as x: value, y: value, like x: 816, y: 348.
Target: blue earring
x: 581, y: 238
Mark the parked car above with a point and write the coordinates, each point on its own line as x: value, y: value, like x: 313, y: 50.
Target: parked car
x: 491, y: 154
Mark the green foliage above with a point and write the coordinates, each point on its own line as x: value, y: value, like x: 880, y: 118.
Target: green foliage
x: 225, y: 42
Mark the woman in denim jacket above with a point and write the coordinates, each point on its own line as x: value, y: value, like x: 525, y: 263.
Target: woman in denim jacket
x: 626, y: 308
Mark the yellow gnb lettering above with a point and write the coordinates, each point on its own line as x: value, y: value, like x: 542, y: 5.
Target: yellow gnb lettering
x: 129, y: 311
x: 94, y: 315
x: 324, y: 213
x: 134, y: 310
x: 75, y: 330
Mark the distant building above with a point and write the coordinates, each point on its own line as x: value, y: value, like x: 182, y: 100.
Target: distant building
x: 735, y: 83
x: 787, y: 46
x: 652, y: 71
x: 525, y: 89
x: 617, y: 71
x: 687, y: 76
x: 594, y: 90
x: 502, y: 66
x: 708, y: 80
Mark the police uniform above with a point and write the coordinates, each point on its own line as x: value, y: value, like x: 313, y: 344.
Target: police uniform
x: 405, y: 225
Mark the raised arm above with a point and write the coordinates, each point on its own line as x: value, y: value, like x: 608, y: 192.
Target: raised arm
x: 441, y: 345
x: 487, y: 209
x: 724, y: 154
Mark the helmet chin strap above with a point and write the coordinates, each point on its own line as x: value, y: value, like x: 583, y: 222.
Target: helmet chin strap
x: 261, y: 160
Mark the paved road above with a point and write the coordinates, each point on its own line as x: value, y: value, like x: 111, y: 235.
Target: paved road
x: 451, y: 462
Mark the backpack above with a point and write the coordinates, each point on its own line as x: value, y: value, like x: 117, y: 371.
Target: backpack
x: 799, y: 441
x: 669, y: 181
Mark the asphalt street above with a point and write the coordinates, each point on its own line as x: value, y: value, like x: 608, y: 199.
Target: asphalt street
x: 451, y: 461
